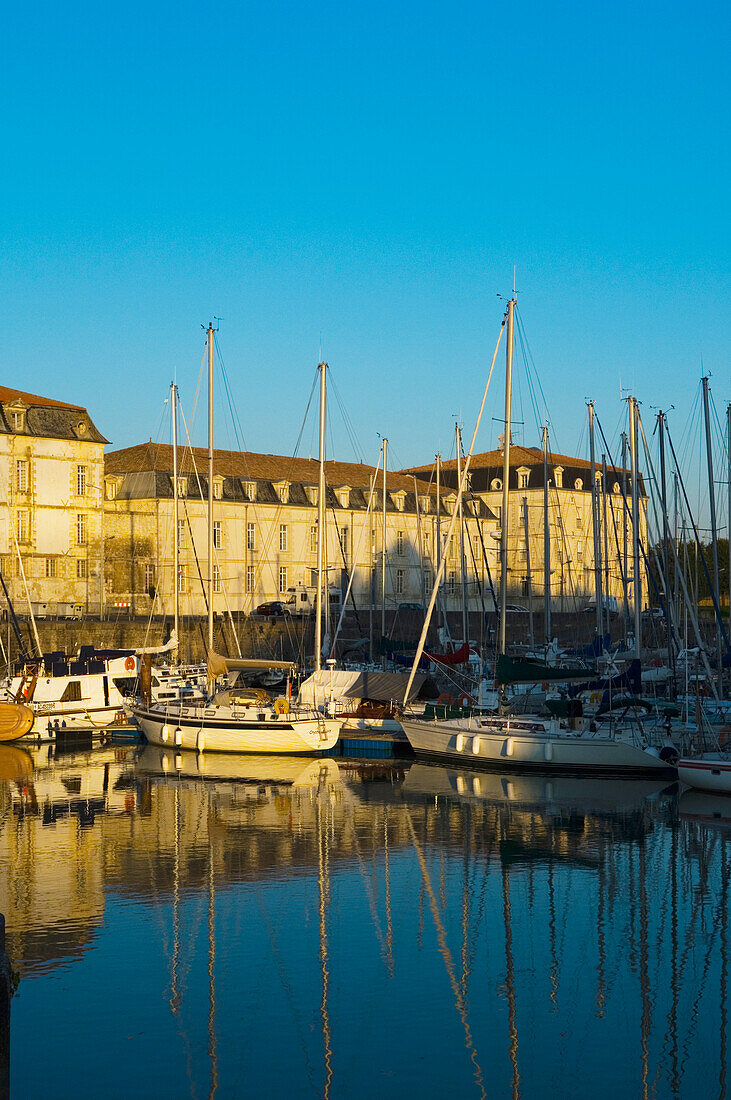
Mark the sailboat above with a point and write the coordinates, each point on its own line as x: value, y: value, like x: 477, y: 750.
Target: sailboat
x: 234, y: 719
x: 578, y: 744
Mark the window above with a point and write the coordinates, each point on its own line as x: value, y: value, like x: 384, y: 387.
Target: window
x: 181, y: 532
x: 578, y: 484
x: 399, y: 581
x: 476, y: 548
x: 81, y: 569
x: 72, y: 692
x: 81, y: 481
x: 81, y: 529
x: 17, y: 420
x: 23, y: 528
x: 523, y: 478
x: 149, y: 577
x: 250, y: 537
x: 217, y: 488
x: 616, y: 487
x: 496, y: 485
x: 427, y: 541
x: 427, y: 581
x: 522, y: 553
x: 182, y: 486
x: 50, y: 567
x: 217, y: 534
x: 498, y: 510
x: 425, y: 505
x: 398, y: 500
x: 523, y: 508
x: 110, y: 487
x: 399, y: 542
x: 21, y: 475
x: 558, y: 476
x: 216, y: 579
x: 249, y: 578
x: 250, y: 490
x: 313, y: 540
x: 282, y: 537
x: 282, y: 578
x: 452, y: 582
x: 343, y: 535
x: 578, y: 520
x: 182, y: 578
x: 283, y: 492
x: 344, y: 497
x: 579, y: 553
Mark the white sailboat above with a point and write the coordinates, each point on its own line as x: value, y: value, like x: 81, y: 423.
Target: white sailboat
x: 572, y: 744
x: 234, y: 719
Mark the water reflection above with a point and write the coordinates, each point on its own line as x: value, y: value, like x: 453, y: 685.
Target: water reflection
x: 341, y: 928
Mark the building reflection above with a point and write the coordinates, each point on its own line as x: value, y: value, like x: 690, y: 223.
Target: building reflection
x: 156, y: 826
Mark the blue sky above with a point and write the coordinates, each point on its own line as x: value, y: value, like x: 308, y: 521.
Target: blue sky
x: 363, y: 178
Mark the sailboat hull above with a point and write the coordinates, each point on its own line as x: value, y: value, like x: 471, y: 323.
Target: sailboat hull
x: 710, y: 772
x: 219, y: 729
x: 519, y: 745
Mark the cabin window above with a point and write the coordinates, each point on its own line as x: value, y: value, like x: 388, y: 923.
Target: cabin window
x: 282, y: 578
x: 21, y: 475
x: 72, y: 692
x: 217, y: 534
x: 81, y: 569
x: 81, y: 481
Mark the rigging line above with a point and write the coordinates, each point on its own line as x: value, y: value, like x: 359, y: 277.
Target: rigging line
x: 349, y: 426
x: 530, y: 379
x: 521, y: 326
x: 364, y: 531
x: 235, y: 419
x: 716, y: 608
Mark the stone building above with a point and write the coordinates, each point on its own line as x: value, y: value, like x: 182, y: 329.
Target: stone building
x: 570, y: 523
x: 51, y: 492
x: 265, y: 531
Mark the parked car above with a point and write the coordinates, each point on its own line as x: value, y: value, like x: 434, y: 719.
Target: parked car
x: 272, y: 609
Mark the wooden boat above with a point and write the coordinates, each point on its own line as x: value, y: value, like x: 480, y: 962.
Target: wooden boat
x: 16, y: 720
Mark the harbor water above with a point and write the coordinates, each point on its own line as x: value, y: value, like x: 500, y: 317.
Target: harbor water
x: 200, y: 926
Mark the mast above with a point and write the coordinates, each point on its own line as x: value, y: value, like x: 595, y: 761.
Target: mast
x: 546, y: 545
x: 506, y: 479
x: 728, y: 528
x: 605, y: 527
x: 636, y: 584
x: 669, y: 600
x: 595, y: 527
x: 209, y: 337
x: 624, y: 533
x: 714, y: 533
x: 465, y: 621
x: 176, y: 533
x: 438, y: 548
x: 322, y: 367
x: 383, y: 551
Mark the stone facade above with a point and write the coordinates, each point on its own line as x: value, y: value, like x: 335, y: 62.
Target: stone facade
x: 570, y: 523
x: 265, y: 526
x: 51, y: 491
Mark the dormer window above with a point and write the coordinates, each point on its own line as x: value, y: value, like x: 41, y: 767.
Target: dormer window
x: 182, y: 486
x: 425, y: 505
x: 250, y: 490
x: 343, y: 496
x: 218, y: 488
x: 16, y: 417
x: 558, y: 476
x: 578, y: 484
x: 496, y: 484
x: 282, y: 490
x: 398, y: 500
x: 616, y: 487
x: 82, y: 427
x: 311, y: 493
x: 110, y: 488
x: 523, y: 477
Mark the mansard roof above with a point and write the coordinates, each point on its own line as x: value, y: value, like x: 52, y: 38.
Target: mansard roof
x: 145, y: 470
x: 46, y: 417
